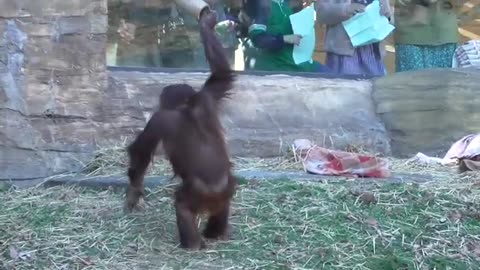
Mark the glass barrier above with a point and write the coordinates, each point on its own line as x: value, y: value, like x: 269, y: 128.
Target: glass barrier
x: 156, y: 33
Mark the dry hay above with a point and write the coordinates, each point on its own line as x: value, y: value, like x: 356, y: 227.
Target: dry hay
x: 113, y: 161
x: 281, y: 224
x: 277, y: 224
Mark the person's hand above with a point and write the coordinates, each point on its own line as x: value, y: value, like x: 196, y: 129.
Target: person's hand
x: 355, y: 8
x: 307, y: 3
x: 208, y: 18
x: 126, y: 31
x: 292, y: 39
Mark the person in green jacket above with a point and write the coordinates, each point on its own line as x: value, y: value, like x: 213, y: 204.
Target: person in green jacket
x: 426, y: 34
x: 271, y: 33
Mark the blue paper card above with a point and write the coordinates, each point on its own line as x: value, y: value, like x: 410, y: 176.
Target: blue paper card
x: 368, y: 27
x: 303, y: 24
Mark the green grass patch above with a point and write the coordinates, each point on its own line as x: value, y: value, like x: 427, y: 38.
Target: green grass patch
x: 280, y: 224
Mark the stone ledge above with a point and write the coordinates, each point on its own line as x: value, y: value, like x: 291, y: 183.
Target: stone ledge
x: 264, y: 116
x: 262, y: 119
x: 266, y: 113
x: 428, y: 110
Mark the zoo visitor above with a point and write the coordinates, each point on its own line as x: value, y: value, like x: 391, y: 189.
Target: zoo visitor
x: 426, y: 34
x: 342, y: 57
x: 270, y: 30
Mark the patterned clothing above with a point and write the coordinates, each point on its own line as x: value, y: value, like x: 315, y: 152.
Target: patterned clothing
x: 415, y: 57
x: 467, y: 54
x: 429, y: 44
x: 437, y: 26
x: 366, y: 60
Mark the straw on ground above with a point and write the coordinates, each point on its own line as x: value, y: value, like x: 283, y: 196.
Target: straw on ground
x: 277, y: 224
x: 113, y: 161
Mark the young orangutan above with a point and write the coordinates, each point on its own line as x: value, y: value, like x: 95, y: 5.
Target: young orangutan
x: 188, y: 125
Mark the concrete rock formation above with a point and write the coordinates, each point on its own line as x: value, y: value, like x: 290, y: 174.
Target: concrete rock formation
x: 426, y: 111
x: 267, y: 113
x: 52, y: 73
x: 58, y: 103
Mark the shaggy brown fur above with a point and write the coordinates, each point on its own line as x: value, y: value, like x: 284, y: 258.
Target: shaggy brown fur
x: 188, y: 125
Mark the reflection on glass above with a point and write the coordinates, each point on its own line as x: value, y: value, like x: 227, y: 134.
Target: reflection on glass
x: 155, y: 33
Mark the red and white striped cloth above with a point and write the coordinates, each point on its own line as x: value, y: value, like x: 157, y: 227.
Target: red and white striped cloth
x: 318, y: 160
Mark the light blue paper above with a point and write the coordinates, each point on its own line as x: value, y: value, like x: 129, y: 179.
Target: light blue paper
x: 303, y: 24
x: 368, y: 27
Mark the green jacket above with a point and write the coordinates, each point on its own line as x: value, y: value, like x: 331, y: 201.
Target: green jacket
x: 278, y: 22
x: 441, y: 25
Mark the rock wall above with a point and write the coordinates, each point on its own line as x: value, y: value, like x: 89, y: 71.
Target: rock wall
x: 426, y: 111
x: 266, y: 113
x: 52, y: 76
x: 58, y: 103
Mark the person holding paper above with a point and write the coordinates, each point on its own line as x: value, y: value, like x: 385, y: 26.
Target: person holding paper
x: 342, y: 57
x: 426, y: 34
x: 271, y: 32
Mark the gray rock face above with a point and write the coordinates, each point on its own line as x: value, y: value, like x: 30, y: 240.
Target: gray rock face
x: 266, y: 113
x: 58, y: 103
x: 63, y: 118
x: 52, y: 72
x: 426, y: 111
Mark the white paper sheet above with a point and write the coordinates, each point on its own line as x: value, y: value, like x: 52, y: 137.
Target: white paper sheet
x: 303, y: 24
